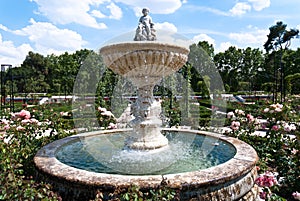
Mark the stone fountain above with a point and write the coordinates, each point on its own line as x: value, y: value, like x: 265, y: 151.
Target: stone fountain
x: 145, y: 63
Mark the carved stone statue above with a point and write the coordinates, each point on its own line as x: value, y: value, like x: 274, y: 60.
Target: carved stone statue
x: 145, y: 30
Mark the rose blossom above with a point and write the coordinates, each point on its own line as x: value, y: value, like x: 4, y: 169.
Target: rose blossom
x: 278, y: 109
x: 267, y: 179
x: 107, y: 113
x: 235, y: 125
x: 296, y: 195
x: 263, y: 195
x: 294, y: 151
x: 25, y: 121
x: 293, y: 127
x: 275, y: 127
x: 277, y: 105
x: 34, y: 121
x: 230, y: 115
x: 24, y: 114
x: 101, y: 109
x: 112, y: 126
x: 6, y: 127
x: 288, y: 127
x: 240, y: 112
x: 20, y: 128
x: 250, y: 118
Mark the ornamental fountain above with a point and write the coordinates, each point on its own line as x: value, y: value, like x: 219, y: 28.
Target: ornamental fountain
x: 147, y: 154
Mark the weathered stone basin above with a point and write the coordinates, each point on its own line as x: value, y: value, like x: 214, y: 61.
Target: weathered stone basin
x: 232, y: 180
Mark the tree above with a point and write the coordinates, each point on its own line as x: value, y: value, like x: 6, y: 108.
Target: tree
x: 279, y: 39
x: 291, y: 59
x: 252, y: 63
x: 201, y: 58
x: 34, y: 69
x: 229, y: 64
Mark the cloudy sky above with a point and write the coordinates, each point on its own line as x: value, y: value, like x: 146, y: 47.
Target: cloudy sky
x: 56, y: 26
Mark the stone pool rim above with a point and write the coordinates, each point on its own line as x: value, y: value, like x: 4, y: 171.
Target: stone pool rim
x: 241, y: 167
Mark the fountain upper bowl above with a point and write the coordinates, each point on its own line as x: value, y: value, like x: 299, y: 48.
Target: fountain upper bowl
x: 140, y: 60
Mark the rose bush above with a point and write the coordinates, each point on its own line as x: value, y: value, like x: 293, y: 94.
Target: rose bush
x: 23, y: 133
x: 274, y: 134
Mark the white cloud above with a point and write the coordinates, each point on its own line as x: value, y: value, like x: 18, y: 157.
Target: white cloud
x: 4, y: 28
x: 240, y: 8
x: 155, y: 6
x: 86, y: 12
x: 208, y: 9
x: 204, y: 37
x: 98, y: 14
x: 254, y: 36
x: 258, y: 5
x: 11, y: 54
x: 167, y: 32
x: 46, y: 36
x: 223, y: 47
x: 46, y: 39
x: 166, y: 26
x: 69, y: 11
x: 116, y: 12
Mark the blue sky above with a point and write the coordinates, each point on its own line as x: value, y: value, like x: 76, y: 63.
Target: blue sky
x: 56, y: 26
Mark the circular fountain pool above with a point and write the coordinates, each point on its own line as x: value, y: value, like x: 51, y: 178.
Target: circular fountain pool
x: 106, y: 154
x: 229, y: 173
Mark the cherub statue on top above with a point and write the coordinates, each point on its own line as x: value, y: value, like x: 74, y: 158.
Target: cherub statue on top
x: 145, y: 30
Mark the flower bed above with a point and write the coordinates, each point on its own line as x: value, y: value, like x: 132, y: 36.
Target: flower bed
x: 274, y: 133
x: 23, y: 133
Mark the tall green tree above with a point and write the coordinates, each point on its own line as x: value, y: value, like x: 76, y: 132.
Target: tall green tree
x: 201, y: 58
x: 251, y: 67
x: 35, y: 70
x: 279, y: 39
x: 229, y: 64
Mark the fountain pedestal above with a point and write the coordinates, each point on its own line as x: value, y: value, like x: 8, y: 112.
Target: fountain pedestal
x: 145, y: 64
x: 147, y: 123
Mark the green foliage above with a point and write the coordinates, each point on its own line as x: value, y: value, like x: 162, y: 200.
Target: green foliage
x: 173, y: 113
x: 134, y: 192
x: 279, y: 37
x: 161, y: 193
x: 290, y: 81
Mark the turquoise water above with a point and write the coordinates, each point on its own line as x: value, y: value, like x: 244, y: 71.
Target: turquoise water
x: 105, y: 153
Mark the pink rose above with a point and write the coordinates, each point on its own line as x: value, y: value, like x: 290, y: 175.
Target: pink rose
x: 20, y: 128
x: 6, y: 127
x: 296, y: 195
x: 230, y: 115
x: 266, y: 180
x: 24, y: 114
x: 250, y: 118
x: 235, y: 125
x: 263, y: 195
x: 275, y: 127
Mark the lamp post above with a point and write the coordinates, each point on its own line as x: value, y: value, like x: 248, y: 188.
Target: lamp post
x: 4, y: 67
